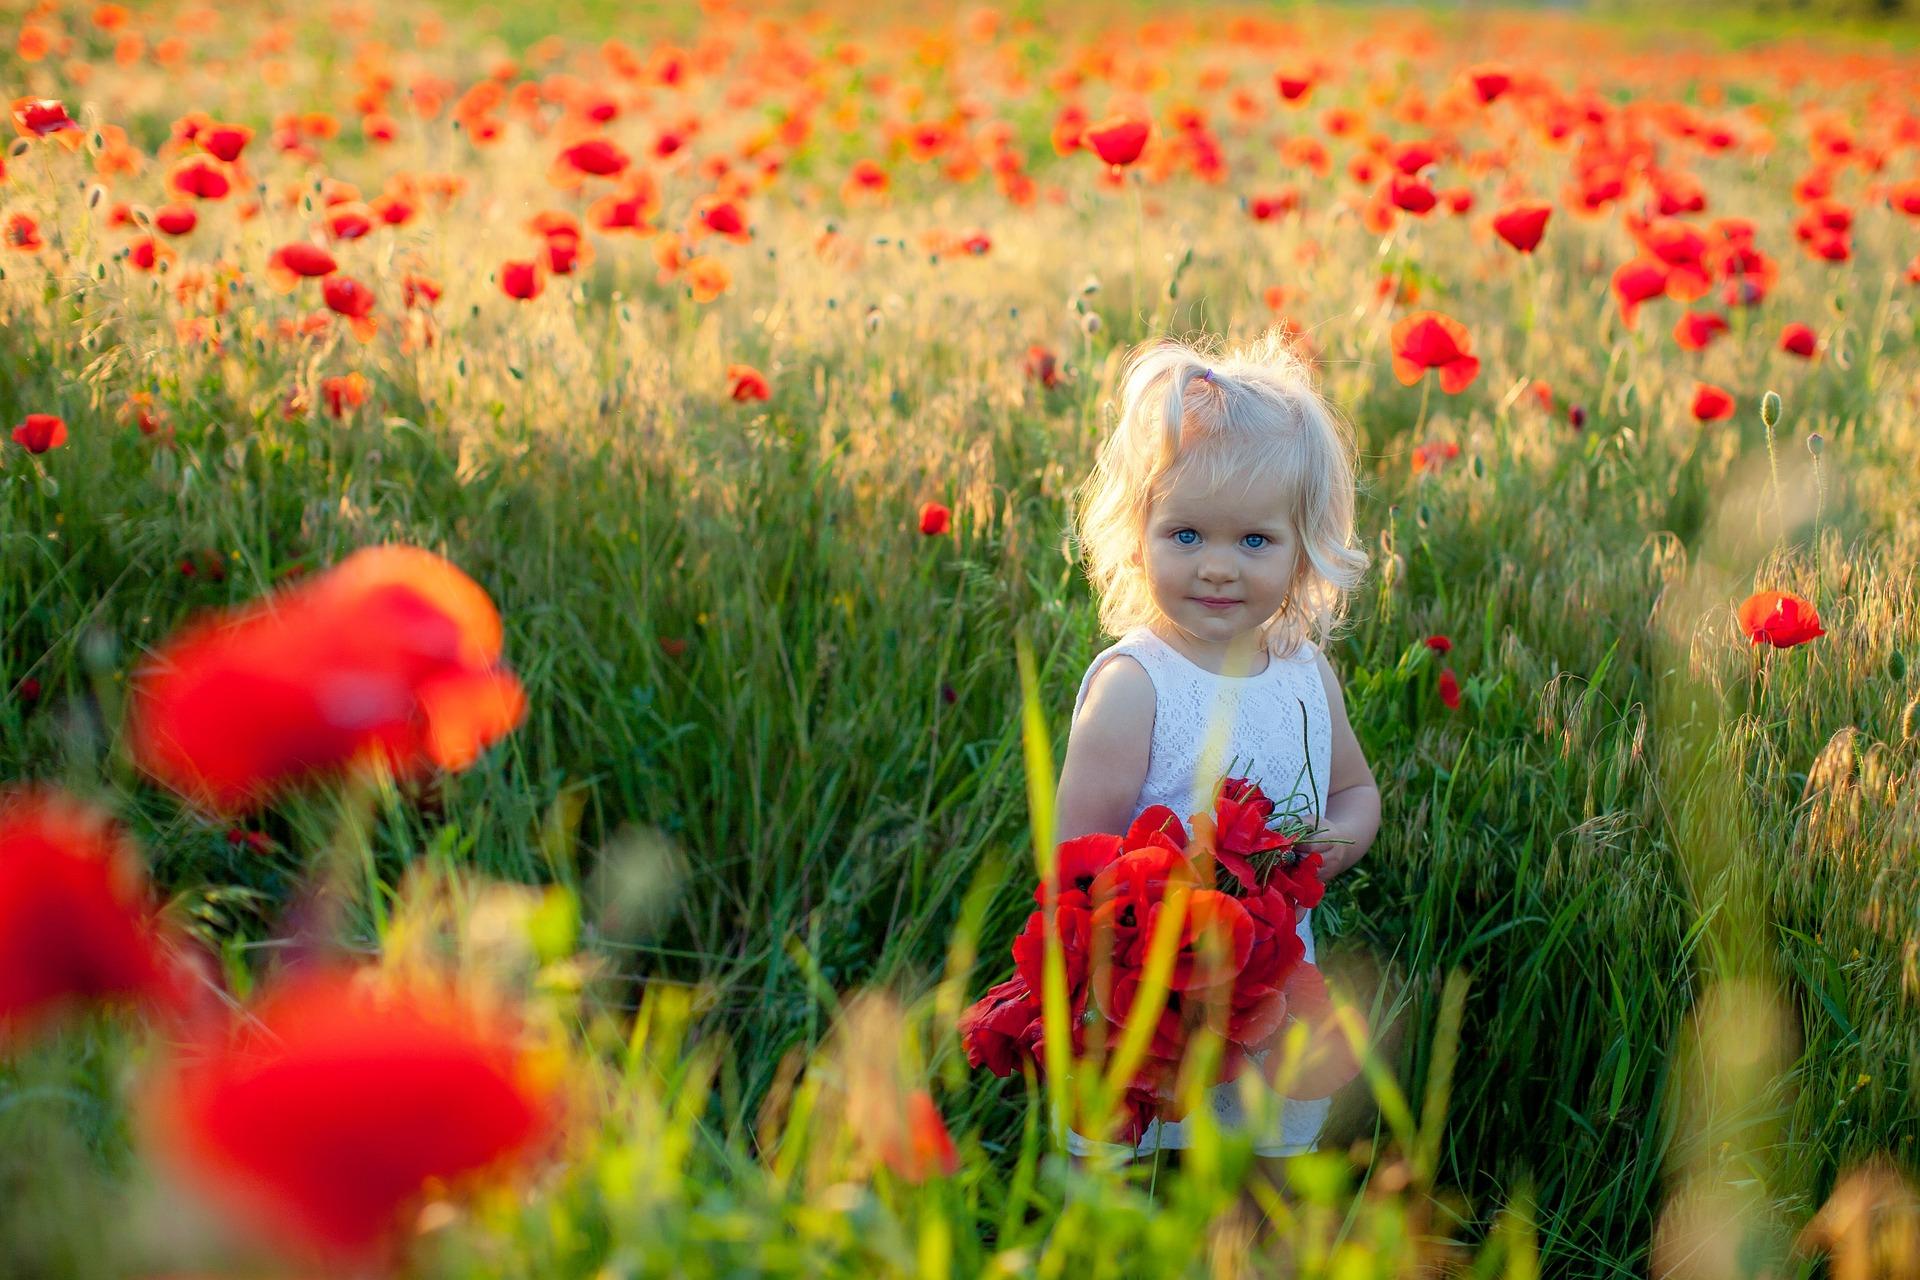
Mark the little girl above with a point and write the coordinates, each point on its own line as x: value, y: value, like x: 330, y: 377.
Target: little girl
x: 1217, y: 529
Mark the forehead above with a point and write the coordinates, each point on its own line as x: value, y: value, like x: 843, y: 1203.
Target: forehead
x: 1191, y: 500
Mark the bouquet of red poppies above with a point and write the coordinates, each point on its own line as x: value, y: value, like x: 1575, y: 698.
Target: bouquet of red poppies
x: 1242, y: 885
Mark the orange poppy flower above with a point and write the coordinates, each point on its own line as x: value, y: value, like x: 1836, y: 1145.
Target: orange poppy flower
x: 1429, y: 340
x: 708, y: 278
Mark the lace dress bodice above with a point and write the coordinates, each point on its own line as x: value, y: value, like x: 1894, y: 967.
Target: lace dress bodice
x: 1274, y: 727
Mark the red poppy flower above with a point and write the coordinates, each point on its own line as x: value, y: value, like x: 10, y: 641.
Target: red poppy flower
x: 1522, y: 225
x: 522, y: 278
x: 597, y: 157
x: 1695, y: 329
x: 201, y: 177
x: 23, y: 233
x: 76, y: 921
x: 1489, y: 81
x: 1797, y: 339
x: 1637, y: 281
x: 744, y: 382
x: 352, y: 302
x: 324, y: 1115
x: 349, y: 220
x: 1118, y: 140
x: 1439, y: 644
x: 991, y: 1028
x: 1293, y: 86
x: 175, y: 219
x: 721, y: 216
x: 1429, y: 340
x: 391, y: 656
x: 1450, y: 689
x: 935, y: 519
x: 1711, y: 403
x: 922, y: 1147
x: 346, y: 391
x: 1780, y: 618
x: 1328, y: 1063
x: 40, y: 432
x: 1410, y: 194
x: 292, y: 263
x: 1216, y: 936
x: 1042, y: 367
x: 225, y: 141
x: 39, y: 117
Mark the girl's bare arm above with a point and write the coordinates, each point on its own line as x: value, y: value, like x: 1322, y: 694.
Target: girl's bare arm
x: 1353, y: 799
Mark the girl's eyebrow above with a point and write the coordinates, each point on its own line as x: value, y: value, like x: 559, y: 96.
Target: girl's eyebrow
x: 1175, y: 519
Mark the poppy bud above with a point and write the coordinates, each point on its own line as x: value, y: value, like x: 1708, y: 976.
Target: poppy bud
x: 1577, y: 416
x: 1815, y: 443
x: 1897, y: 665
x: 1770, y: 408
x: 1090, y: 285
x: 1090, y: 322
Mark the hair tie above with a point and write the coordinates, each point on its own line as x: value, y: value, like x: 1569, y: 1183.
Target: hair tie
x: 1207, y: 376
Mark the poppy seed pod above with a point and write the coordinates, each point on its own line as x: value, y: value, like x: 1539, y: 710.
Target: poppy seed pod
x: 1770, y: 408
x: 1090, y: 322
x: 1815, y: 443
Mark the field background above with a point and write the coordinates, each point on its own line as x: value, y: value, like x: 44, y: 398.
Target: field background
x: 774, y: 745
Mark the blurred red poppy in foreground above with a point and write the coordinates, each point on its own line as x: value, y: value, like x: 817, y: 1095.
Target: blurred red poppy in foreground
x: 922, y: 1147
x: 391, y: 656
x: 321, y: 1117
x: 935, y: 519
x: 76, y: 923
x: 1780, y: 618
x: 1428, y: 340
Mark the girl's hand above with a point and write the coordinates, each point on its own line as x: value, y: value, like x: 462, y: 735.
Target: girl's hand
x: 1332, y: 853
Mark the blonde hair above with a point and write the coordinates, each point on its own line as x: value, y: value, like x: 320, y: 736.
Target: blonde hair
x: 1259, y: 420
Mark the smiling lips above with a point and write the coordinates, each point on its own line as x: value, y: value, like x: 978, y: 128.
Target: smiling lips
x: 1214, y: 602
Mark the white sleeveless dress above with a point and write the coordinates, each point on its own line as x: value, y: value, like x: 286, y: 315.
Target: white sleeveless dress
x: 1273, y: 727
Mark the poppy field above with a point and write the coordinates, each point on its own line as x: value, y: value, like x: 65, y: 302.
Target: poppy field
x: 537, y: 630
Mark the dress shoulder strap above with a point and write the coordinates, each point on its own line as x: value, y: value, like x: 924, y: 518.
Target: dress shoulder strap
x: 1139, y: 644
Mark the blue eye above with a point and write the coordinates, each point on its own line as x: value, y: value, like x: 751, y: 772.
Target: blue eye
x: 1263, y: 539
